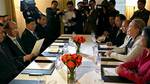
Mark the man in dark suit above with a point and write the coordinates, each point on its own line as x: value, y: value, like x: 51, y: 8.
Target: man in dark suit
x: 119, y: 37
x: 13, y: 41
x: 142, y: 13
x: 41, y: 26
x: 29, y: 37
x: 8, y: 69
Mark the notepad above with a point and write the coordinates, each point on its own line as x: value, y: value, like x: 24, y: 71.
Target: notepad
x: 38, y: 69
x: 45, y: 59
x: 53, y: 49
x: 41, y: 66
x: 109, y: 71
x: 15, y: 81
x: 57, y: 44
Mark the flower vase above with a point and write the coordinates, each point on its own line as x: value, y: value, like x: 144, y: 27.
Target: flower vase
x: 78, y: 48
x: 71, y: 77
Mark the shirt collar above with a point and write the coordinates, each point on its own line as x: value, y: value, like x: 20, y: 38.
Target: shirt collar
x: 30, y: 31
x: 12, y: 38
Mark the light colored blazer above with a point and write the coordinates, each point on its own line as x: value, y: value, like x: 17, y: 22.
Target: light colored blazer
x: 121, y: 49
x: 132, y: 54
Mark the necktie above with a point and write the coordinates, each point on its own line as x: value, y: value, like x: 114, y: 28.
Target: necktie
x: 129, y: 45
x: 34, y: 34
x: 18, y: 45
x: 1, y: 50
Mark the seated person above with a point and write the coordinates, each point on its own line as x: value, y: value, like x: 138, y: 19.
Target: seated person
x: 138, y: 70
x: 41, y: 26
x: 119, y: 37
x: 13, y: 41
x: 114, y: 34
x: 8, y: 67
x: 124, y: 29
x: 29, y: 38
x: 133, y: 46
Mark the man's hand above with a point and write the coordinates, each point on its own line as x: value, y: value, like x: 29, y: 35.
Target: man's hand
x: 108, y: 53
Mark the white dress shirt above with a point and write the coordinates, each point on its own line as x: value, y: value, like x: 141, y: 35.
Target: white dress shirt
x: 68, y: 16
x: 121, y: 49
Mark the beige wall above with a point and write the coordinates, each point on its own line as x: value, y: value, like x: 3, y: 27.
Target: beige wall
x: 19, y: 16
x: 3, y: 10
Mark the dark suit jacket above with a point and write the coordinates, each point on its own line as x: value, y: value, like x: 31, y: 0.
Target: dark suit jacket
x: 28, y: 41
x: 8, y: 69
x: 142, y: 15
x: 53, y: 29
x: 119, y: 39
x: 40, y: 31
x: 18, y: 54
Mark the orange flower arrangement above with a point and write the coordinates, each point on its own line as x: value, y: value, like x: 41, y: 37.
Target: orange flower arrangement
x: 78, y: 39
x: 71, y: 61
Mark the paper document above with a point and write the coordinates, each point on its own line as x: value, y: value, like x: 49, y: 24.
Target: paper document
x: 54, y: 49
x: 37, y: 47
x: 110, y: 72
x: 44, y: 66
x: 57, y: 44
x: 46, y: 58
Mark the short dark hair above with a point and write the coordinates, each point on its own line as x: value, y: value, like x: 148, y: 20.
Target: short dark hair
x: 147, y: 35
x: 81, y: 2
x: 142, y: 1
x: 92, y: 1
x: 42, y: 15
x: 69, y: 3
x: 29, y: 20
x: 54, y: 1
x: 121, y: 16
x: 113, y: 2
x: 1, y: 24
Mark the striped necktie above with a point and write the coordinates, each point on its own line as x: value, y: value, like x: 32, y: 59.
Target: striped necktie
x: 18, y: 45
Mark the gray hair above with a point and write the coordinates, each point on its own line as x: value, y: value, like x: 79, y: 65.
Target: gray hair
x: 140, y: 24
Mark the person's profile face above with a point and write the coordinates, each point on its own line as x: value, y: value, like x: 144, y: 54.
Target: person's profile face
x: 141, y: 6
x: 112, y: 20
x: 12, y: 31
x: 43, y: 20
x: 132, y: 30
x: 118, y: 22
x: 54, y: 5
x: 1, y: 34
x: 32, y: 25
x: 92, y: 4
x: 80, y: 5
x: 70, y: 7
x: 124, y: 27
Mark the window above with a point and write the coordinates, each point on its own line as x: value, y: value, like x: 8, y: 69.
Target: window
x: 120, y: 5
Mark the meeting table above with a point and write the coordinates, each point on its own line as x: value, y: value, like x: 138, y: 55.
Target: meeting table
x: 94, y: 69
